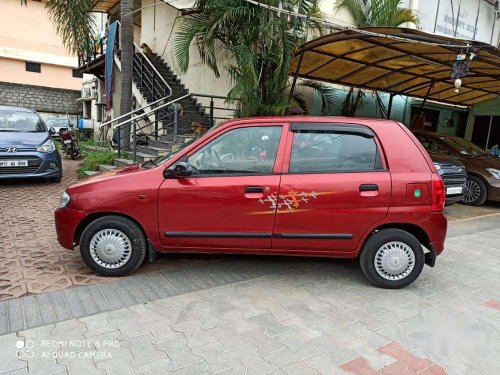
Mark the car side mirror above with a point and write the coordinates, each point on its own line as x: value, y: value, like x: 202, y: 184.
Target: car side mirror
x: 182, y: 169
x: 52, y: 131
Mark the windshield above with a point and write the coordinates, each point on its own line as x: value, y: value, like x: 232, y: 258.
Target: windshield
x: 164, y: 158
x: 12, y: 121
x: 463, y: 146
x: 59, y: 122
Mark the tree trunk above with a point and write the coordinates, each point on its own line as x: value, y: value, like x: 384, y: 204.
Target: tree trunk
x: 127, y: 61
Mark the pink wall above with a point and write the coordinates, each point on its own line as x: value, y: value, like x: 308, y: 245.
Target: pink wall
x: 27, y: 34
x: 14, y: 71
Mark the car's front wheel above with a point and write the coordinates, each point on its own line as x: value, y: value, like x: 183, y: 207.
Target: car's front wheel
x: 113, y: 246
x: 392, y: 258
x: 476, y: 192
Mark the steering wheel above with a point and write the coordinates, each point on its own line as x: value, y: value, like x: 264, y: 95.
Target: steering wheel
x: 217, y: 158
x: 228, y: 157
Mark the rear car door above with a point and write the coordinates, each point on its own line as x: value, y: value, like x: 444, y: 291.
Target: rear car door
x: 334, y: 186
x: 220, y: 205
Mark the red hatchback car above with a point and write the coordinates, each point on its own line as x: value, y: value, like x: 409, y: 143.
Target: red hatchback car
x: 308, y: 186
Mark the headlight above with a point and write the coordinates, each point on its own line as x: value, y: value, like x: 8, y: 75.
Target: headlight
x: 48, y: 146
x: 65, y: 198
x: 438, y: 167
x: 494, y: 172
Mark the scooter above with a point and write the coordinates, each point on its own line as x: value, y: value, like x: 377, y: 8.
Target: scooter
x: 69, y: 144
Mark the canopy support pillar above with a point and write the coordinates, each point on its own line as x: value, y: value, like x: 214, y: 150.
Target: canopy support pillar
x: 389, y: 107
x: 427, y: 95
x: 295, y: 76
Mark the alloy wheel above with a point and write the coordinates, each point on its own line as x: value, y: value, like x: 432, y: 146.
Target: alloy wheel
x: 472, y: 191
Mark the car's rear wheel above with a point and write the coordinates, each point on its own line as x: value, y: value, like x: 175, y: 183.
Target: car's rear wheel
x: 475, y: 192
x: 113, y: 246
x: 392, y: 258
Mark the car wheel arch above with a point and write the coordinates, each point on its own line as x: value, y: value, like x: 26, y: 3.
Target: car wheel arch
x: 97, y: 215
x: 480, y: 177
x: 419, y: 233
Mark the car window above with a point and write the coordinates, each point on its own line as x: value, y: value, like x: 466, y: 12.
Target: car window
x: 333, y: 152
x: 463, y: 146
x: 249, y: 150
x: 431, y: 144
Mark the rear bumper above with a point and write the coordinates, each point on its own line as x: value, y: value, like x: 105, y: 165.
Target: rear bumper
x: 67, y: 221
x: 436, y: 228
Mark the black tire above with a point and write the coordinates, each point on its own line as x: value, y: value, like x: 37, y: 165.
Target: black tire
x: 56, y: 179
x: 132, y: 232
x: 72, y: 155
x: 376, y: 242
x: 474, y: 182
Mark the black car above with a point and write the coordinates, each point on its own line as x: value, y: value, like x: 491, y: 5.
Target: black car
x: 453, y: 173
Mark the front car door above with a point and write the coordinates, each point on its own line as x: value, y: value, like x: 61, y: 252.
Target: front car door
x: 334, y: 187
x: 219, y: 206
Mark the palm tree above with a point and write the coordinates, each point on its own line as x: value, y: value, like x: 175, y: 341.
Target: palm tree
x: 389, y: 13
x: 74, y: 23
x: 255, y: 44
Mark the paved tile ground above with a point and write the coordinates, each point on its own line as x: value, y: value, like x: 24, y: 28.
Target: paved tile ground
x: 463, y: 212
x: 32, y: 262
x: 313, y: 318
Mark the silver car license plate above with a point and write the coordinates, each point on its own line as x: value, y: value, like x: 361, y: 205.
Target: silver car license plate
x: 454, y: 190
x: 13, y: 163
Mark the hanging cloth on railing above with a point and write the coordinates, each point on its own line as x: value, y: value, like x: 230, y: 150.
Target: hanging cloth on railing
x: 109, y: 62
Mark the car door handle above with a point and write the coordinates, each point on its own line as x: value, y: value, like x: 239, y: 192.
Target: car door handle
x: 254, y: 189
x: 368, y: 187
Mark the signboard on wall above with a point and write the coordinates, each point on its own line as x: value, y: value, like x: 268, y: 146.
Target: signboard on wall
x: 466, y: 19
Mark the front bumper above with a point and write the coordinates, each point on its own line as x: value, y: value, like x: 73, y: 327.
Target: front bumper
x: 494, y: 189
x: 67, y: 220
x: 39, y: 165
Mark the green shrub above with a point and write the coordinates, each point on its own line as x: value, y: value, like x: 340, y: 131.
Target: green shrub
x: 92, y: 159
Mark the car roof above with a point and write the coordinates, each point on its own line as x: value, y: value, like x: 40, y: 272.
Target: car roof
x: 16, y: 109
x: 313, y: 120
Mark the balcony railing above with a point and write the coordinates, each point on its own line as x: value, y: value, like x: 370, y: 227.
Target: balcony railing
x: 96, y: 50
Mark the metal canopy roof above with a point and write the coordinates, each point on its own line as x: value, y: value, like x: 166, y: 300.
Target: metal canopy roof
x: 402, y: 62
x: 106, y: 5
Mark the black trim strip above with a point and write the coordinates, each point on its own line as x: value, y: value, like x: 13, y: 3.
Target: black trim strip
x: 315, y: 236
x: 353, y: 129
x: 368, y: 187
x: 218, y: 234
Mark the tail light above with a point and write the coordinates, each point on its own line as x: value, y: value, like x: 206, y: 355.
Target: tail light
x: 438, y: 193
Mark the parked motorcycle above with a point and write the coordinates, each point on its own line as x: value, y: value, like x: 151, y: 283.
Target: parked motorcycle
x: 69, y: 144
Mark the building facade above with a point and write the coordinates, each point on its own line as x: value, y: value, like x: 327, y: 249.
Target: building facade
x: 156, y: 24
x: 36, y: 70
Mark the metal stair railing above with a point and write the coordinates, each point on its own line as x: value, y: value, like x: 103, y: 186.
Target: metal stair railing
x: 170, y: 116
x: 133, y: 121
x: 149, y: 77
x: 213, y: 107
x: 104, y: 127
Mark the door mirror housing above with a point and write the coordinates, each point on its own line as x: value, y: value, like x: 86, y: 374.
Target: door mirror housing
x: 182, y: 169
x: 52, y: 131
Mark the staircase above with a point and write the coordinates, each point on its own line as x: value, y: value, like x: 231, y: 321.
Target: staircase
x: 147, y: 67
x: 155, y: 80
